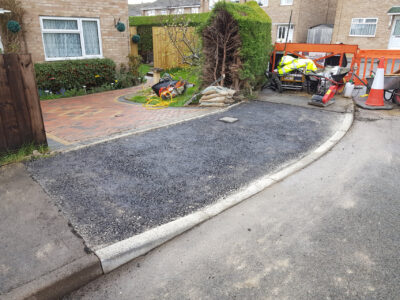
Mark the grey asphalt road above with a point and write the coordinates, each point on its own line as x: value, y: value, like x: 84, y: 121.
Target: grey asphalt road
x: 114, y: 190
x: 330, y: 231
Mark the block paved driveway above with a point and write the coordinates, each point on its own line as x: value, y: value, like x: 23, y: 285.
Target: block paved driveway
x: 83, y: 119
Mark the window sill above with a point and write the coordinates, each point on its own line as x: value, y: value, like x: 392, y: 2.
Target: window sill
x: 73, y: 58
x: 365, y: 36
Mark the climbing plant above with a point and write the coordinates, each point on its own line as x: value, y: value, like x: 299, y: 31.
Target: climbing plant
x: 12, y: 35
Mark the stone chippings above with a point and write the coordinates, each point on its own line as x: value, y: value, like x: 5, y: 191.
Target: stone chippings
x: 121, y: 188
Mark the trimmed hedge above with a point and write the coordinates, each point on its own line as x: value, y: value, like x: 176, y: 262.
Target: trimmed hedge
x: 194, y: 19
x: 74, y: 74
x: 255, y: 34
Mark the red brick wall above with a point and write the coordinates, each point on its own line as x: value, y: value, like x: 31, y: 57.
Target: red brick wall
x: 115, y: 44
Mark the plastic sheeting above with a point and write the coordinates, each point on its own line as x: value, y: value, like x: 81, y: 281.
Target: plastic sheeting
x: 321, y: 34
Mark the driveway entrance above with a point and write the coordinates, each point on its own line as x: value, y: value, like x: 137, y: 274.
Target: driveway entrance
x: 86, y: 119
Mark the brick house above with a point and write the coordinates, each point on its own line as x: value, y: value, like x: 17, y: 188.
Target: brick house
x: 306, y: 14
x: 370, y: 24
x: 74, y: 29
x: 165, y: 7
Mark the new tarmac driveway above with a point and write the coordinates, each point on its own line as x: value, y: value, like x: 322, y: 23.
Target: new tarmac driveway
x: 121, y: 188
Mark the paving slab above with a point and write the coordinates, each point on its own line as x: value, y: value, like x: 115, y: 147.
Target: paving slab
x: 38, y: 248
x: 118, y: 189
x: 70, y: 122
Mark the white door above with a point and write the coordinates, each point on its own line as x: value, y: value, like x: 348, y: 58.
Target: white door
x: 394, y: 42
x: 282, y: 33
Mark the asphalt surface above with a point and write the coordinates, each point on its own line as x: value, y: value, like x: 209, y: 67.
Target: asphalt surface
x: 115, y: 190
x: 330, y: 231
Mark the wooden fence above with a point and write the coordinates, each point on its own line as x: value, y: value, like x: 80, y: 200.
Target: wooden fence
x: 165, y: 54
x: 21, y: 120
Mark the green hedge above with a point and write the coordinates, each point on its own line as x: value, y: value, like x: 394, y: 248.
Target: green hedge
x: 74, y: 74
x: 255, y: 34
x: 194, y: 19
x: 145, y: 46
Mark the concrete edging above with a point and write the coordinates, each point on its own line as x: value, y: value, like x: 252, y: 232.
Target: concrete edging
x: 59, y: 282
x: 117, y: 254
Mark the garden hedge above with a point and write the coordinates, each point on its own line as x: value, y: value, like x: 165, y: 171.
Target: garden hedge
x: 255, y: 34
x: 194, y: 19
x: 74, y: 74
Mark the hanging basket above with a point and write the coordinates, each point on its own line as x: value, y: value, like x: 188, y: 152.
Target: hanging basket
x: 120, y: 27
x: 136, y: 39
x: 13, y: 26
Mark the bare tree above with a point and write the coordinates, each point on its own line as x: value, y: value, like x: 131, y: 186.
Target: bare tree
x: 221, y: 50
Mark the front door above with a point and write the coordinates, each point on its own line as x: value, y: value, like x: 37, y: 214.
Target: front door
x: 283, y: 32
x: 394, y: 42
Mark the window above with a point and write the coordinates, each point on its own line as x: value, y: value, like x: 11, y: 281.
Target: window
x: 150, y: 12
x: 286, y: 2
x: 178, y: 11
x: 70, y: 38
x: 263, y: 2
x: 195, y: 10
x: 163, y: 12
x: 363, y: 27
x: 282, y: 33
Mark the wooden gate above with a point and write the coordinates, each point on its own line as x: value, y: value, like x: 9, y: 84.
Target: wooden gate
x: 21, y: 120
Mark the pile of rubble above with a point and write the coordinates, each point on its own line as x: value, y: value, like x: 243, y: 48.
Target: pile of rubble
x: 217, y: 96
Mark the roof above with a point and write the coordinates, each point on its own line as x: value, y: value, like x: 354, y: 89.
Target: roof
x: 136, y: 9
x: 395, y: 10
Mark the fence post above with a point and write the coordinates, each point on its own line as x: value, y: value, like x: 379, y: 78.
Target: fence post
x: 134, y: 47
x: 21, y: 120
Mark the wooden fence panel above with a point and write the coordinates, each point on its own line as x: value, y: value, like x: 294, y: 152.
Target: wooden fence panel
x: 166, y: 55
x: 21, y: 120
x: 134, y: 47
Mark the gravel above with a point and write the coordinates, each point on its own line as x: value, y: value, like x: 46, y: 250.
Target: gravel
x: 121, y: 188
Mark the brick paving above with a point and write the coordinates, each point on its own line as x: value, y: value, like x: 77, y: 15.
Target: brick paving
x: 75, y: 120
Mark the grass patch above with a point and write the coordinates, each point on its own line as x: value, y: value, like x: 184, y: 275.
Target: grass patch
x: 21, y: 154
x: 144, y: 69
x: 189, y: 74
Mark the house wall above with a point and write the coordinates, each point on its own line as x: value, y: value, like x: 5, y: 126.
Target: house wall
x: 186, y: 10
x: 115, y: 44
x: 363, y: 9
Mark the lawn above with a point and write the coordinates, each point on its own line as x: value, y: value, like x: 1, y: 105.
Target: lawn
x: 188, y: 74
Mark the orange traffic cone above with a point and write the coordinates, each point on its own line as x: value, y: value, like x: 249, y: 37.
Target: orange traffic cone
x: 376, y: 95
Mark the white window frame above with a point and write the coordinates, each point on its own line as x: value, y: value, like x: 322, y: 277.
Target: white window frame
x: 150, y: 12
x: 357, y: 35
x: 79, y: 30
x: 179, y: 11
x: 264, y: 3
x: 286, y: 2
x: 195, y: 10
x: 164, y: 12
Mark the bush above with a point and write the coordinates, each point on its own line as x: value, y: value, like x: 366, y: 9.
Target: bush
x: 254, y: 28
x: 194, y: 19
x: 74, y: 74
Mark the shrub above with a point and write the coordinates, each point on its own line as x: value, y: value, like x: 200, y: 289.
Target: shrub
x: 74, y: 74
x: 194, y: 20
x: 254, y: 48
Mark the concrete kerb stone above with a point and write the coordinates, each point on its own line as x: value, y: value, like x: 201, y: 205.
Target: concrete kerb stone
x: 120, y: 253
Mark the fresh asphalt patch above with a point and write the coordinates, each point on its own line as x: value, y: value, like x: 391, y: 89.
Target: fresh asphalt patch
x: 114, y: 190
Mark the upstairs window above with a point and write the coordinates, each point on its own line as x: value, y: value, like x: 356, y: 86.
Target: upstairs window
x: 365, y: 27
x: 286, y: 2
x: 70, y: 38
